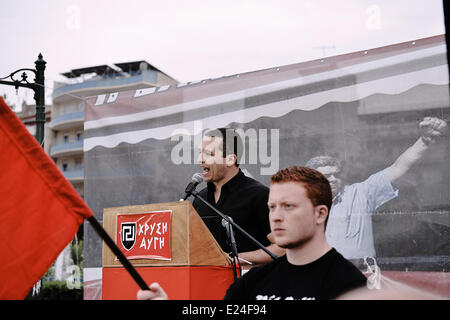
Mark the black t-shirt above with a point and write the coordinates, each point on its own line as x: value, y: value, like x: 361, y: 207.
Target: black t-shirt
x: 243, y: 199
x: 322, y: 279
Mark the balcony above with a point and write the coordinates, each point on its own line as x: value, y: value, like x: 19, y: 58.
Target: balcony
x: 67, y: 121
x: 147, y: 77
x: 66, y: 149
x: 74, y: 176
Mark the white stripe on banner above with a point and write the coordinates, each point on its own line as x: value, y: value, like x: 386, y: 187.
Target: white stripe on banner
x: 391, y: 85
x: 247, y: 93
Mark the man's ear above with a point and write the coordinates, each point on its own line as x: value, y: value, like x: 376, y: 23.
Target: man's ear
x: 230, y: 160
x: 321, y: 213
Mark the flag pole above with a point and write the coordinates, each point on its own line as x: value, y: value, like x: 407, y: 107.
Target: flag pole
x: 111, y: 244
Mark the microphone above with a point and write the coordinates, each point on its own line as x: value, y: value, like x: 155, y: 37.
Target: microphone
x: 195, y: 180
x: 225, y: 223
x: 229, y: 229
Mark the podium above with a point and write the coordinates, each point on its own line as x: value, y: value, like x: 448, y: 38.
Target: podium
x: 167, y: 243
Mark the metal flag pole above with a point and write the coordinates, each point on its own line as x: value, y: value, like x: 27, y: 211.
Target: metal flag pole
x: 111, y: 244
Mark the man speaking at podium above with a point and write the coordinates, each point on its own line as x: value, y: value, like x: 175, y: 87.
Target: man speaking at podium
x: 234, y: 194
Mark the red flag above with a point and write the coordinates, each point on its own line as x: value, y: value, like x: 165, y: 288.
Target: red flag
x: 40, y: 211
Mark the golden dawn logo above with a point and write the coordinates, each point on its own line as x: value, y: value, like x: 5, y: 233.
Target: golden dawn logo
x: 145, y: 235
x: 128, y: 234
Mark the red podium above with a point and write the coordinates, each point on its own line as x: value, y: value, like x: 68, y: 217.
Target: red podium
x: 167, y: 243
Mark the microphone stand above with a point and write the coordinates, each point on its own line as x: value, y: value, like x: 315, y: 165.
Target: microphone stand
x: 234, y: 252
x: 256, y: 242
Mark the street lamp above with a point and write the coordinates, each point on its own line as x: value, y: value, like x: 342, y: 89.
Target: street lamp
x: 39, y: 92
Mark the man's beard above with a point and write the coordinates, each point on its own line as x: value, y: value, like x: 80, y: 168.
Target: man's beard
x: 297, y: 244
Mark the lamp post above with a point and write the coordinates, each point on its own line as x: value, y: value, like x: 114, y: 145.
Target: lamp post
x: 39, y: 92
x: 39, y: 97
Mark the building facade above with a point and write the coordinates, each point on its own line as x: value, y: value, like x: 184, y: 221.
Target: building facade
x: 66, y: 127
x: 28, y: 117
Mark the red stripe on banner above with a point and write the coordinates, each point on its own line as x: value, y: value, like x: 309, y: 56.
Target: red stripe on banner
x: 437, y: 283
x: 40, y: 211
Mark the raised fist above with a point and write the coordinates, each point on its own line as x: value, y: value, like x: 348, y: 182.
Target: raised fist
x: 432, y: 128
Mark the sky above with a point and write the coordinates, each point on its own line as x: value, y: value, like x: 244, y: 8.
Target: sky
x: 200, y: 39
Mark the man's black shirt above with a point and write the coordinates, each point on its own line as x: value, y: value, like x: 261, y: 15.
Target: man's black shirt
x: 325, y: 278
x: 245, y: 201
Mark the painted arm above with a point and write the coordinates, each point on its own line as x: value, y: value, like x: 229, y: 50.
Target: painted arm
x: 431, y: 129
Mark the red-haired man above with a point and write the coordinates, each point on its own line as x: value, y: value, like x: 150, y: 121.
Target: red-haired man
x: 299, y: 202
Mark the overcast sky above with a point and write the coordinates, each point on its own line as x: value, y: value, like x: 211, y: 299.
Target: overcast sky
x: 200, y: 39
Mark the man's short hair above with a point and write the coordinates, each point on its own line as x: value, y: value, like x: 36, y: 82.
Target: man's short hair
x: 231, y: 141
x: 323, y: 161
x: 317, y: 186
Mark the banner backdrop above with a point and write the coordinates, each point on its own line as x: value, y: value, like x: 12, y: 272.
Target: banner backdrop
x: 368, y: 109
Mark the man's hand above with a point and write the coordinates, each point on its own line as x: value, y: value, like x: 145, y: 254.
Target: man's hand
x: 156, y: 293
x: 431, y: 128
